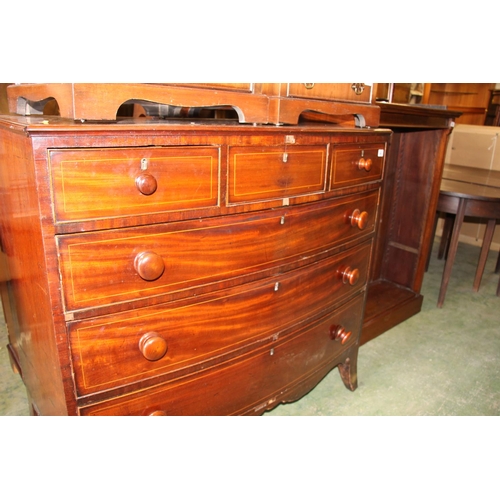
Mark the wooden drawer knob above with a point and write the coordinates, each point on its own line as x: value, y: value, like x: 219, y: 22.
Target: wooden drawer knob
x: 152, y: 346
x: 158, y: 413
x: 365, y: 164
x: 339, y: 333
x: 146, y: 184
x: 357, y: 218
x: 348, y: 275
x: 149, y: 265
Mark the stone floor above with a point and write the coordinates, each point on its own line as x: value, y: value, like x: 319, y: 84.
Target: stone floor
x: 439, y: 362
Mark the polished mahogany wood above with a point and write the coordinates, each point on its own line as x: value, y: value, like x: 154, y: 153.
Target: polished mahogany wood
x: 357, y: 164
x: 185, y: 300
x: 146, y: 184
x: 222, y: 324
x: 112, y: 182
x: 149, y: 265
x: 262, y: 376
x: 108, y: 267
x: 365, y: 164
x: 152, y: 346
x: 339, y: 334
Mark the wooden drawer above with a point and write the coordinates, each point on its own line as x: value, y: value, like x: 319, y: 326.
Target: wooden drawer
x: 356, y: 164
x: 128, y: 347
x: 115, y: 182
x: 246, y: 384
x: 257, y: 174
x: 105, y: 267
x: 358, y: 92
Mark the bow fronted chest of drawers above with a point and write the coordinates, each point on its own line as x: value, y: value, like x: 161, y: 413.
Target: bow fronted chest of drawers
x: 182, y: 268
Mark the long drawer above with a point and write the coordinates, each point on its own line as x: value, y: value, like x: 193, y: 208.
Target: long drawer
x: 130, y: 346
x: 105, y: 267
x: 114, y: 182
x: 243, y: 385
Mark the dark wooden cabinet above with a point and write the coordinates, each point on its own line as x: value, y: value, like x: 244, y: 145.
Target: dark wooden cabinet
x: 411, y: 189
x: 177, y: 268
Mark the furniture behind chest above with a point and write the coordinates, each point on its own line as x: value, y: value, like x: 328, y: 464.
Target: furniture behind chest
x: 161, y: 267
x: 493, y: 112
x: 414, y: 168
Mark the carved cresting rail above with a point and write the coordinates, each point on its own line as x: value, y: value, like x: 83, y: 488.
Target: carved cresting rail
x: 101, y: 101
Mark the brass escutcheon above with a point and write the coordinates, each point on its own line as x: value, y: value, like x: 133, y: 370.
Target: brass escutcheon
x: 358, y: 88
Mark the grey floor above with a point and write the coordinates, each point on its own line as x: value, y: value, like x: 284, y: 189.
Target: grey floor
x: 439, y: 362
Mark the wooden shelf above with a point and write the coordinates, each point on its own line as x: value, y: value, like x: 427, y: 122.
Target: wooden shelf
x: 387, y: 305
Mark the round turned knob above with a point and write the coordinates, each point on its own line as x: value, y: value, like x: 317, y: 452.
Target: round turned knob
x: 149, y: 265
x: 357, y: 218
x: 158, y: 413
x: 152, y: 346
x: 146, y: 184
x: 339, y: 333
x: 365, y: 164
x: 348, y: 275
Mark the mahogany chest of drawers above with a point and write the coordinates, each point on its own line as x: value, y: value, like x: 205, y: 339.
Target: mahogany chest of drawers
x: 163, y: 268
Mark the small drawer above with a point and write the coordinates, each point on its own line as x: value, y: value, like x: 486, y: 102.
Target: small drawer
x: 258, y: 174
x: 106, y: 267
x: 248, y: 385
x: 116, y: 182
x: 358, y: 92
x: 357, y: 164
x: 128, y: 347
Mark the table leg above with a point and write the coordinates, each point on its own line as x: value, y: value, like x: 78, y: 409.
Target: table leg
x: 445, y: 236
x: 452, y: 250
x: 485, y: 248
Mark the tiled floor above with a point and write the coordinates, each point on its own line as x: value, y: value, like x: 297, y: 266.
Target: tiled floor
x: 439, y: 362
